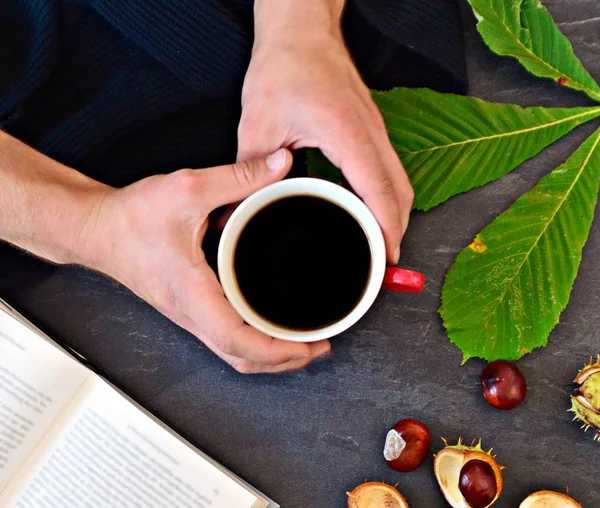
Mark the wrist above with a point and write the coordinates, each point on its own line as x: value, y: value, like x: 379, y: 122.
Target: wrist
x: 77, y: 233
x: 46, y: 206
x: 278, y: 21
x: 91, y: 236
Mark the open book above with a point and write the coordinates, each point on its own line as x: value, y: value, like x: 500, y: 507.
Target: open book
x: 70, y: 439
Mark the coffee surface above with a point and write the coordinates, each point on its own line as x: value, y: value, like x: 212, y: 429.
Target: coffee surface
x: 302, y: 262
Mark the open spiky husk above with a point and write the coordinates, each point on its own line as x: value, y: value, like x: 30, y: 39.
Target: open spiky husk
x: 549, y: 499
x: 376, y: 495
x: 586, y: 403
x: 448, y: 463
x: 589, y: 369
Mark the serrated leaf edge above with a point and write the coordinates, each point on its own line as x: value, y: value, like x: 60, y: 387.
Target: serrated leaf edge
x: 591, y: 111
x: 588, y: 91
x: 467, y: 355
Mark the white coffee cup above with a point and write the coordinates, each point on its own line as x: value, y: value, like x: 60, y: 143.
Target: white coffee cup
x: 395, y: 278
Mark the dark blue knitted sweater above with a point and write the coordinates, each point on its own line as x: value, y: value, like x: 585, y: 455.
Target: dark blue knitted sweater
x: 121, y: 89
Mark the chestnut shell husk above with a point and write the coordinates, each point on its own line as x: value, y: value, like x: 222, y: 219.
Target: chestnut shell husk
x: 376, y: 495
x: 549, y: 499
x: 448, y: 463
x: 585, y: 404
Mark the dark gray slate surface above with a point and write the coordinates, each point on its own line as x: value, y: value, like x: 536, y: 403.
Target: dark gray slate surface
x: 307, y: 437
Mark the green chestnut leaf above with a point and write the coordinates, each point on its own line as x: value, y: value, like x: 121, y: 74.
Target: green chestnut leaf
x: 505, y: 292
x: 450, y: 144
x: 525, y: 30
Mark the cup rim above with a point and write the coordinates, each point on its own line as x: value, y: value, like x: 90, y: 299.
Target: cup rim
x: 298, y: 187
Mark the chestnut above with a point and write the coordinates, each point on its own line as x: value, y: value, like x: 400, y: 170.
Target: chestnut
x: 406, y: 445
x: 477, y: 483
x: 503, y: 384
x: 468, y: 476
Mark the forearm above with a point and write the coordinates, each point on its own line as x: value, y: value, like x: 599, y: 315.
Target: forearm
x: 276, y: 18
x: 47, y: 208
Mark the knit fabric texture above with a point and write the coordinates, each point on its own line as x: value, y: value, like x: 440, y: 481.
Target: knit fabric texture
x: 124, y: 89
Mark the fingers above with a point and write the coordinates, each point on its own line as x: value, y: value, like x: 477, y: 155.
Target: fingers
x: 233, y: 337
x: 201, y: 305
x: 258, y: 136
x: 402, y: 186
x: 366, y: 172
x: 224, y: 331
x: 245, y: 366
x: 228, y: 184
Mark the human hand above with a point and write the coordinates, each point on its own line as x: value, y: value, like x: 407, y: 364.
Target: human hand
x: 149, y: 235
x: 302, y: 90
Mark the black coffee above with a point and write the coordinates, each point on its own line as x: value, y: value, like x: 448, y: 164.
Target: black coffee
x: 302, y: 262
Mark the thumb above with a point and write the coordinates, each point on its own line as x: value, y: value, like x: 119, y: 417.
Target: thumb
x: 234, y: 182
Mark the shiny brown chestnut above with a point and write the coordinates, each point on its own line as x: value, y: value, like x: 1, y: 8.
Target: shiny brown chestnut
x: 406, y: 445
x: 503, y: 384
x: 477, y: 483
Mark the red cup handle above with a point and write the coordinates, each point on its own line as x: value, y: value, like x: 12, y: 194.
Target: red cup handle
x: 400, y: 279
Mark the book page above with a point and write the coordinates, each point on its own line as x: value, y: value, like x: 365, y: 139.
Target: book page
x: 106, y: 452
x: 37, y: 381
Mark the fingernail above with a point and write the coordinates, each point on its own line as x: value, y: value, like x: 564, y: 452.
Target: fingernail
x: 276, y: 160
x: 397, y: 254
